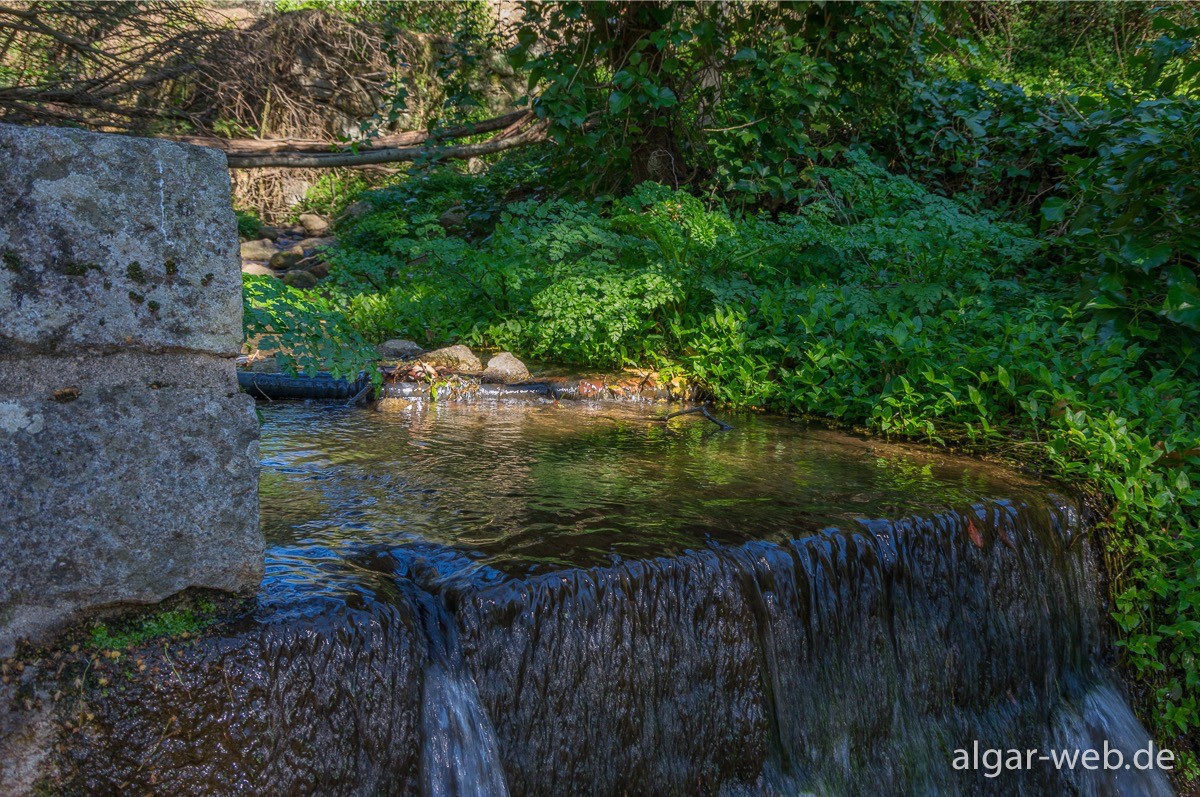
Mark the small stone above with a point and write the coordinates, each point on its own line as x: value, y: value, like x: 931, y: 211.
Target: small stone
x: 390, y: 404
x: 505, y: 368
x: 261, y: 249
x: 257, y: 269
x: 313, y: 224
x: 270, y: 233
x: 302, y: 280
x: 399, y: 349
x: 315, y: 266
x: 458, y: 357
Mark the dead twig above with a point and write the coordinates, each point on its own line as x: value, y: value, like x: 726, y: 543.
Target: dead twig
x: 702, y: 410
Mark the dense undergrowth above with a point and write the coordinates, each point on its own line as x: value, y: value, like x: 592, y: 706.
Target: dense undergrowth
x: 975, y: 265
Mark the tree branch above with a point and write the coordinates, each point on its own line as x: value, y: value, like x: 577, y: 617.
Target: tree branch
x: 508, y: 123
x: 532, y: 134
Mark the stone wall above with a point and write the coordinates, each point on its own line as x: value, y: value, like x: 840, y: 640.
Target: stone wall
x: 129, y: 459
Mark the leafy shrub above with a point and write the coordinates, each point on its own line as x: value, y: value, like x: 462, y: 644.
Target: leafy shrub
x: 249, y: 224
x: 990, y: 138
x: 1132, y: 210
x: 306, y: 333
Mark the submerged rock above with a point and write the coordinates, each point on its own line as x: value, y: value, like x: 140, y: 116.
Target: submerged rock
x: 388, y: 404
x: 399, y: 349
x: 262, y: 249
x: 505, y: 367
x: 458, y: 357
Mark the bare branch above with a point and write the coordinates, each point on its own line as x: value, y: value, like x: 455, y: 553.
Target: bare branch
x: 533, y: 134
x: 508, y: 123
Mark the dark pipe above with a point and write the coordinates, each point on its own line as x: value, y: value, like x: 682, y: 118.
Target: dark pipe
x: 281, y: 386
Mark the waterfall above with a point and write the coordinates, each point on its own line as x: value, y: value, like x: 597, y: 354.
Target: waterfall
x: 459, y: 756
x: 847, y: 662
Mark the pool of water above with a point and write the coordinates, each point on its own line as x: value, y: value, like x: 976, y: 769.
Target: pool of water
x: 518, y: 489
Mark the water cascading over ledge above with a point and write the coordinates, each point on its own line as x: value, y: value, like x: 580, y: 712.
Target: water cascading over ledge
x: 843, y: 661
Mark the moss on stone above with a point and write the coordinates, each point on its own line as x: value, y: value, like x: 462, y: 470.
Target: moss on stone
x: 136, y: 297
x: 182, y: 621
x: 135, y: 272
x: 12, y: 262
x: 73, y: 269
x: 170, y: 268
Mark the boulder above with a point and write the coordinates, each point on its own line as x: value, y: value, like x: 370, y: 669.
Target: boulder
x: 271, y: 233
x: 262, y: 249
x: 310, y: 245
x: 399, y: 349
x: 258, y: 269
x: 506, y: 369
x: 315, y: 265
x: 302, y: 280
x: 458, y: 357
x: 286, y: 259
x: 130, y: 456
x: 313, y: 224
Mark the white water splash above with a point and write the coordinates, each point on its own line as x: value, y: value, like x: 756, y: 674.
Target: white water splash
x: 1103, y: 716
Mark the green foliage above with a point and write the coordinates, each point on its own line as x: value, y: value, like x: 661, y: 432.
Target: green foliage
x: 993, y: 139
x: 741, y: 94
x: 1132, y: 209
x: 1133, y: 198
x: 169, y: 623
x: 306, y: 333
x: 248, y: 223
x: 1048, y: 48
x: 332, y: 192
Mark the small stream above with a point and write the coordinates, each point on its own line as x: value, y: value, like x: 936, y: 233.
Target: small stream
x: 538, y: 598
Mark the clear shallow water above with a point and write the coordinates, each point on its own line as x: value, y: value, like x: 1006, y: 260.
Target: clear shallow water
x: 517, y: 489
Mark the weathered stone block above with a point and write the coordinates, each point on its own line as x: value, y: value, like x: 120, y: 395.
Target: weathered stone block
x: 126, y: 494
x: 130, y: 459
x: 107, y: 241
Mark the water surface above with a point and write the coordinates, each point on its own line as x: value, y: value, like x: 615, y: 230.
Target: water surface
x: 517, y: 489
